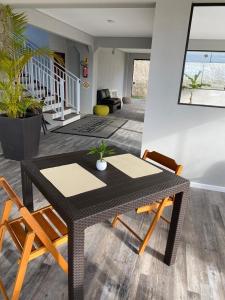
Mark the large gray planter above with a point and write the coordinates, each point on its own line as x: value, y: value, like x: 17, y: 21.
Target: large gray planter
x: 20, y: 137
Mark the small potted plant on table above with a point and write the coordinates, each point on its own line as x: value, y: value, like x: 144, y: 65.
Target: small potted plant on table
x: 102, y: 150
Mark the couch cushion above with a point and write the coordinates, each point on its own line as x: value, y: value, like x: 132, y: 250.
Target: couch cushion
x: 107, y: 93
x: 111, y: 101
x: 103, y: 94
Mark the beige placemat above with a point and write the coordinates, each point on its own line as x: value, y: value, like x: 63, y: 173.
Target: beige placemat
x: 72, y: 179
x: 132, y: 165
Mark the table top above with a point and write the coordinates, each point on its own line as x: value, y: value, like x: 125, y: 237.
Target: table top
x: 120, y: 190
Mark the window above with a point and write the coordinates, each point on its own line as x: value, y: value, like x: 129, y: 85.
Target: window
x: 203, y: 78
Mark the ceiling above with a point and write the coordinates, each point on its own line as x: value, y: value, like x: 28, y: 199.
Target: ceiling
x: 129, y: 18
x: 208, y: 22
x: 125, y: 22
x: 78, y: 3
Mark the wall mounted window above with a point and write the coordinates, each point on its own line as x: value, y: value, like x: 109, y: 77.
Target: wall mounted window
x: 203, y: 76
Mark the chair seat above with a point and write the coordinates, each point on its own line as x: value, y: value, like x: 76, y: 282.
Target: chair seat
x: 49, y: 220
x: 111, y: 101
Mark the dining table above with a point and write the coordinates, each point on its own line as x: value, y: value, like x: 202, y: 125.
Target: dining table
x: 84, y: 196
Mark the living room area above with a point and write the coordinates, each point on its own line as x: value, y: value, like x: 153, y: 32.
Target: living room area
x: 106, y: 65
x: 123, y: 197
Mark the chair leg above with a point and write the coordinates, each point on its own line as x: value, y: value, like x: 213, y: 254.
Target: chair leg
x: 23, y: 266
x: 115, y: 221
x: 2, y: 233
x: 161, y: 217
x: 5, y: 216
x: 3, y: 291
x: 152, y: 227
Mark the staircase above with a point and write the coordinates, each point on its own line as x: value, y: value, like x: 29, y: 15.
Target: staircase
x: 48, y: 81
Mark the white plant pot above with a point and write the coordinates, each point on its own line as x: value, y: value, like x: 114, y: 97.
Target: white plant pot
x: 101, y: 165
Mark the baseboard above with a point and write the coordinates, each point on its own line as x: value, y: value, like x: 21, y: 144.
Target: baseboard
x: 209, y: 187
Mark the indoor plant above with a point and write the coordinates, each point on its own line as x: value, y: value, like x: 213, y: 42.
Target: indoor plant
x: 20, y: 119
x: 102, y: 150
x: 194, y: 84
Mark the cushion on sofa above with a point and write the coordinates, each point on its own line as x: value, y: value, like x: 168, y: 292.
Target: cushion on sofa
x: 107, y: 93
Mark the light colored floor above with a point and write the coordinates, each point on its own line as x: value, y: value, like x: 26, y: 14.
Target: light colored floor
x: 132, y: 111
x: 204, y: 97
x: 113, y: 269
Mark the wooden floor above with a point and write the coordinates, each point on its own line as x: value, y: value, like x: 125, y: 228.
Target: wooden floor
x: 113, y: 269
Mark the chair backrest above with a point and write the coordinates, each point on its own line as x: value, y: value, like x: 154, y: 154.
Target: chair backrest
x: 100, y: 96
x: 29, y: 219
x: 10, y: 192
x: 163, y: 160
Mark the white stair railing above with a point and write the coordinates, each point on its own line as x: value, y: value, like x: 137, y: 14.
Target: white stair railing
x: 47, y: 80
x: 44, y: 87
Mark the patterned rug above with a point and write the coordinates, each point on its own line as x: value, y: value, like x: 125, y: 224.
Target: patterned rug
x: 91, y: 125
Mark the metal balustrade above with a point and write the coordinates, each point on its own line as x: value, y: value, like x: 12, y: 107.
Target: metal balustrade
x: 48, y: 81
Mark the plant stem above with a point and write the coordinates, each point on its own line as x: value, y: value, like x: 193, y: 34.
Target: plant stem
x: 101, y: 156
x: 191, y: 97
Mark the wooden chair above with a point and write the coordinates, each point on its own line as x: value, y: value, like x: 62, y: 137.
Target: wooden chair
x: 158, y: 207
x: 33, y: 234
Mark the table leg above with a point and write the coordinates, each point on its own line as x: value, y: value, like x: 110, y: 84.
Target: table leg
x: 27, y: 190
x: 179, y: 208
x: 76, y: 262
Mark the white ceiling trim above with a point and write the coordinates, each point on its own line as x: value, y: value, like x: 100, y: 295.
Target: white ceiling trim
x: 127, y: 22
x: 80, y: 3
x: 141, y: 51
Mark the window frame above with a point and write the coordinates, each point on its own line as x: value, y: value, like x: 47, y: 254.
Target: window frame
x: 186, y: 50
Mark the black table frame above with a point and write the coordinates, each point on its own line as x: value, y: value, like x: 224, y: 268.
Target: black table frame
x: 122, y: 194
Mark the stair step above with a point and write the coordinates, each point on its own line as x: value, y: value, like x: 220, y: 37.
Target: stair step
x: 50, y: 111
x: 67, y: 117
x: 58, y: 122
x: 52, y: 114
x: 42, y: 93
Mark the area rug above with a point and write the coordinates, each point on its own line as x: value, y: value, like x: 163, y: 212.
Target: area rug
x: 94, y: 126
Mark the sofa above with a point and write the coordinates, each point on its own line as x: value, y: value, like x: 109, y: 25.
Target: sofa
x: 104, y: 98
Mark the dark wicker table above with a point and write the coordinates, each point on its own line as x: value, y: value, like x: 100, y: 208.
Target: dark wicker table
x: 122, y: 194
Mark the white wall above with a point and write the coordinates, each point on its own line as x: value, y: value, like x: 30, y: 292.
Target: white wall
x: 210, y: 45
x: 194, y: 136
x: 123, y: 42
x: 72, y: 57
x: 111, y: 68
x: 86, y: 104
x: 43, y: 38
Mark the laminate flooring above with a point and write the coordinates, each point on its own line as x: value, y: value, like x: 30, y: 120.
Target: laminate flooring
x: 113, y: 269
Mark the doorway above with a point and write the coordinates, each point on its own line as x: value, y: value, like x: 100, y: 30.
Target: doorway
x: 140, y: 78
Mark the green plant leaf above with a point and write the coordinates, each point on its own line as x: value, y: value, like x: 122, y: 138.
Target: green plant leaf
x: 13, y: 58
x: 102, y: 149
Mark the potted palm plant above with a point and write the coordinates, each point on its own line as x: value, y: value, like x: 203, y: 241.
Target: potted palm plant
x: 20, y: 115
